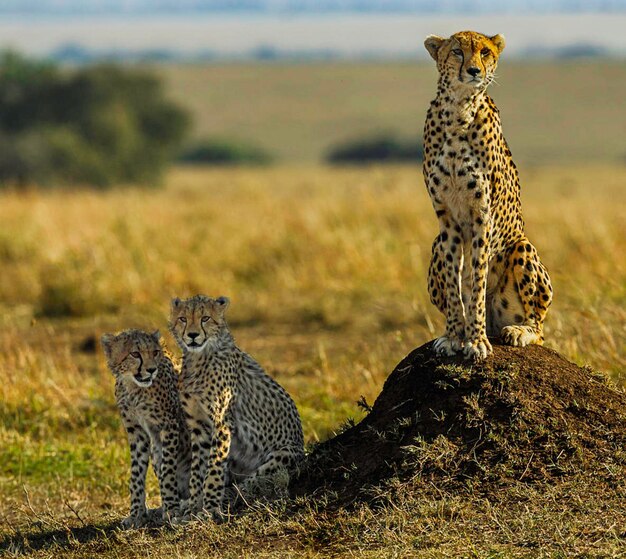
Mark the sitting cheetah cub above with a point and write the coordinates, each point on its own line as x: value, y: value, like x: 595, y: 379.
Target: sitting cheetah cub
x: 243, y: 424
x: 147, y: 397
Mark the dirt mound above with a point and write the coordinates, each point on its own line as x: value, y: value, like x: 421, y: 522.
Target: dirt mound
x: 525, y: 414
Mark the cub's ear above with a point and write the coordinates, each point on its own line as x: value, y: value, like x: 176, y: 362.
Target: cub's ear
x: 175, y: 303
x: 156, y: 335
x: 221, y: 304
x: 433, y: 44
x: 107, y: 345
x: 498, y: 41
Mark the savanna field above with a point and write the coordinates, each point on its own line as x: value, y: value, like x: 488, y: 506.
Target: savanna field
x: 326, y: 271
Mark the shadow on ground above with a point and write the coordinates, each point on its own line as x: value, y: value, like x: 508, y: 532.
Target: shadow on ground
x: 61, y: 538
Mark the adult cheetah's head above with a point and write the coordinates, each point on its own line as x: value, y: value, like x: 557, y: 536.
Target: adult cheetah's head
x: 133, y: 354
x: 197, y: 320
x: 467, y: 60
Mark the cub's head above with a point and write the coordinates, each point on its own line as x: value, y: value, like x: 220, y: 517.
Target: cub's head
x: 133, y: 354
x: 467, y: 60
x: 197, y: 320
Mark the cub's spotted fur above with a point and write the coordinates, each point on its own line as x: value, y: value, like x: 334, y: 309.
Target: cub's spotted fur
x: 244, y: 426
x: 485, y: 275
x: 147, y: 397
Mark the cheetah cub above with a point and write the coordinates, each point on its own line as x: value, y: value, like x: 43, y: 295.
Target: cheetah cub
x: 147, y: 397
x: 485, y: 276
x: 244, y: 426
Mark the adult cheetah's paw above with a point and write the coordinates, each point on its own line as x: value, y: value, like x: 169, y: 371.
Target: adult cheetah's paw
x: 447, y: 345
x: 478, y: 349
x: 519, y: 336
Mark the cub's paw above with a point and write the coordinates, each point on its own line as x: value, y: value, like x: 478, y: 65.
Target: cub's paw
x: 206, y: 515
x: 137, y: 521
x: 447, y: 345
x: 519, y: 336
x: 155, y: 515
x: 478, y: 349
x: 169, y: 517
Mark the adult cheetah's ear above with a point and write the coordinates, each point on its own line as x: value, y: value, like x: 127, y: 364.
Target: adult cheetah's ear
x: 432, y: 44
x: 498, y: 41
x: 175, y: 304
x: 221, y: 304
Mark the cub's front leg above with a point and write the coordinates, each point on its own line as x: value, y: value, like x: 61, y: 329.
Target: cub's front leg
x: 168, y: 482
x: 139, y: 442
x: 450, y: 251
x: 214, y: 484
x: 201, y: 433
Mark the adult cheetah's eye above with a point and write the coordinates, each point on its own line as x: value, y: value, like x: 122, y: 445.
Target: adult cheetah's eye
x: 458, y: 52
x: 135, y: 354
x: 485, y: 52
x: 205, y: 318
x: 182, y: 319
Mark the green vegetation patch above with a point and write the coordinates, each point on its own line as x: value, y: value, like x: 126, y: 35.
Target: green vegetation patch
x: 97, y: 125
x: 384, y: 148
x: 225, y: 152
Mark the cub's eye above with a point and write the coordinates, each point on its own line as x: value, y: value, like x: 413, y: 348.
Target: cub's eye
x: 206, y: 318
x: 182, y: 319
x: 135, y: 354
x: 156, y: 352
x: 485, y: 52
x: 458, y: 52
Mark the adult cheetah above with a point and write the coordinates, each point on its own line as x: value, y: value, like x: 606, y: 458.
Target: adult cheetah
x: 147, y: 397
x: 485, y: 276
x: 244, y: 426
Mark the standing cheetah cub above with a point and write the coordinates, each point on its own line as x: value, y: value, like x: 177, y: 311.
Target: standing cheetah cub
x: 243, y: 424
x: 485, y: 275
x: 147, y: 397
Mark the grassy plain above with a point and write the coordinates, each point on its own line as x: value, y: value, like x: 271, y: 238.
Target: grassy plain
x: 569, y: 111
x: 326, y: 272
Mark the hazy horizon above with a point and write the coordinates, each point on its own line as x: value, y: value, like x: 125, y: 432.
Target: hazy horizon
x: 345, y: 35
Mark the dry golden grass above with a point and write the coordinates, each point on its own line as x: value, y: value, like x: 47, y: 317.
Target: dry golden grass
x: 326, y: 271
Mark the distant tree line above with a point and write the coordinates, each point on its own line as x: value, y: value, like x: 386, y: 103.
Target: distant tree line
x: 107, y: 124
x: 380, y: 148
x: 97, y: 125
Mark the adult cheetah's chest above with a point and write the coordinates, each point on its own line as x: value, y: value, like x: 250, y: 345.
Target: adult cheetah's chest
x: 458, y: 170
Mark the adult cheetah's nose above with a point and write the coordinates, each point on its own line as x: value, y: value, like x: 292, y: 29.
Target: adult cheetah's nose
x: 473, y: 71
x: 151, y: 370
x: 193, y: 335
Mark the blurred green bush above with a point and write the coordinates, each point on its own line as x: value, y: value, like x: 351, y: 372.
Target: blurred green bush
x: 220, y: 151
x: 382, y: 148
x: 97, y: 125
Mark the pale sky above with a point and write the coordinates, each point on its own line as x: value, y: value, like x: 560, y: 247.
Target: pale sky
x: 348, y: 34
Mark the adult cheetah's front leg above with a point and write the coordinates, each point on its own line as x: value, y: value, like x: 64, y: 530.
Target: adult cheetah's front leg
x: 477, y: 345
x: 452, y: 259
